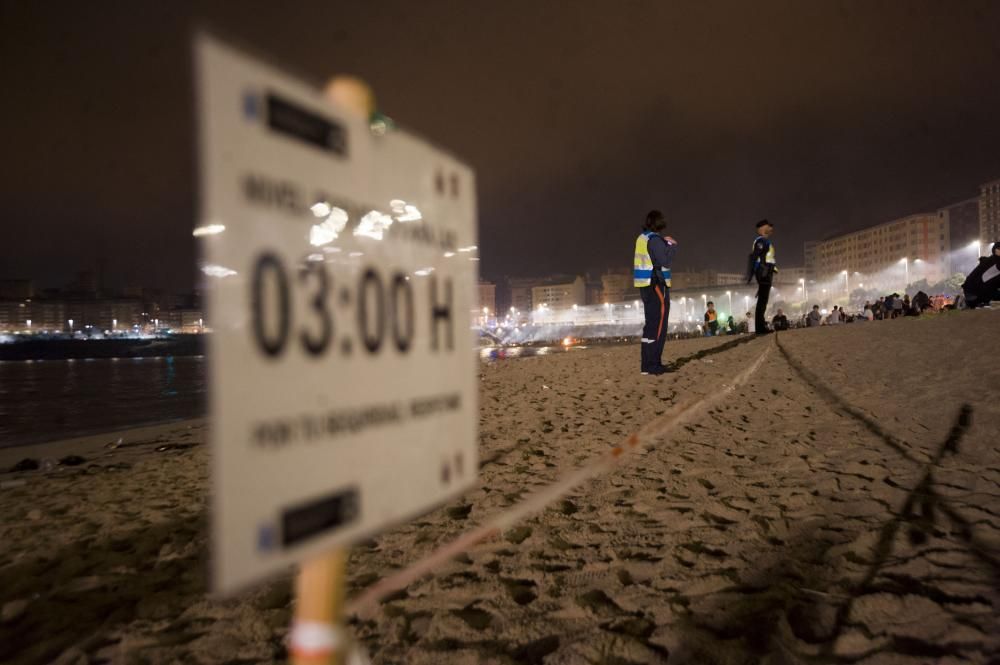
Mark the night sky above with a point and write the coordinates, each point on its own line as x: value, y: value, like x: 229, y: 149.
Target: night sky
x: 578, y: 118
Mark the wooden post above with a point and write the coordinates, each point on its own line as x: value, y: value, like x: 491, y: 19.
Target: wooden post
x: 317, y: 637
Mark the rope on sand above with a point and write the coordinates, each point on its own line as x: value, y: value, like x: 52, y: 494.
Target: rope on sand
x: 366, y: 603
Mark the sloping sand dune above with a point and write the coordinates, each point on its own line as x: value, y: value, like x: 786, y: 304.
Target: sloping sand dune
x: 843, y: 505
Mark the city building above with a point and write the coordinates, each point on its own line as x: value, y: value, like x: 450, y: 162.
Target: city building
x: 697, y: 279
x: 559, y: 292
x: 963, y: 229
x: 520, y: 293
x: 185, y: 320
x: 69, y: 315
x: 618, y: 287
x: 724, y: 278
x: 809, y: 250
x: 487, y: 302
x: 789, y: 275
x: 918, y: 244
x: 681, y: 279
x: 989, y: 212
x: 594, y: 289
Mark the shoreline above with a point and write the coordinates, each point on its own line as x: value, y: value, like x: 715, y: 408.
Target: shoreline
x: 92, y: 446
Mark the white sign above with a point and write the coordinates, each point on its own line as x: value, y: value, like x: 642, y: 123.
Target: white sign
x: 341, y: 269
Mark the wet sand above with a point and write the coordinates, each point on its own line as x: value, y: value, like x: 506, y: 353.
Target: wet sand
x: 841, y: 506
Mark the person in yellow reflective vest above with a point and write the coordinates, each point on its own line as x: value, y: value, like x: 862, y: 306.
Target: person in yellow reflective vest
x: 762, y: 266
x: 654, y: 254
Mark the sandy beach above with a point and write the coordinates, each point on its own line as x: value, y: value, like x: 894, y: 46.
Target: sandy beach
x: 841, y: 506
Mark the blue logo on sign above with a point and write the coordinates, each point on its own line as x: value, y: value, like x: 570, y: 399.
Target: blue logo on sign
x: 265, y: 538
x: 250, y: 105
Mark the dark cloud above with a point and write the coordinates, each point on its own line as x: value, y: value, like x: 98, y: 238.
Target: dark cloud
x: 577, y: 117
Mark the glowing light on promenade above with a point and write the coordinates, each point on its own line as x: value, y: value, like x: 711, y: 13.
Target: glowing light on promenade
x: 208, y: 230
x: 218, y: 271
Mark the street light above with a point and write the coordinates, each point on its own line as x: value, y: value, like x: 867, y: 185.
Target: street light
x: 847, y: 283
x: 730, y: 294
x: 906, y: 270
x: 704, y: 301
x: 802, y: 281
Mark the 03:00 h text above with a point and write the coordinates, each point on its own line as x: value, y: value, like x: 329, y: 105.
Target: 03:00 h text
x: 383, y: 308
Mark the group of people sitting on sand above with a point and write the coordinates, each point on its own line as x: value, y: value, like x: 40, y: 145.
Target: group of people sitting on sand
x: 981, y: 287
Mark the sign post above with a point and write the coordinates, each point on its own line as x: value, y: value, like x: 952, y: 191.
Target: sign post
x: 317, y: 638
x: 340, y: 268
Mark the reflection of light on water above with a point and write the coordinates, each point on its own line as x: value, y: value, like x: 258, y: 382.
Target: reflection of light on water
x: 405, y: 212
x: 373, y: 225
x: 329, y: 229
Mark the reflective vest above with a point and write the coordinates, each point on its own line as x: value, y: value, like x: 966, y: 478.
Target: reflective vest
x: 769, y: 257
x: 642, y: 267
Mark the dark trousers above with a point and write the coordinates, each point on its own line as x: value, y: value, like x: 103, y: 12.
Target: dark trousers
x: 763, y: 293
x: 656, y: 305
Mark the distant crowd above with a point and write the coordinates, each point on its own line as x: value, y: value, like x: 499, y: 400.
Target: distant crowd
x: 887, y: 307
x: 892, y: 306
x: 651, y: 274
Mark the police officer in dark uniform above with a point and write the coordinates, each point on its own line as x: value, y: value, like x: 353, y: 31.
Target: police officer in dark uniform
x: 762, y: 266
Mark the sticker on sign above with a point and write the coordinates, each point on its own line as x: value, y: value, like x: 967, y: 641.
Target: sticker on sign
x: 341, y: 273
